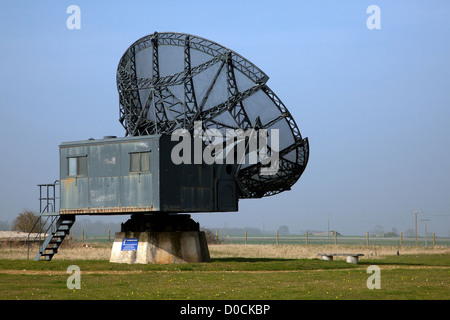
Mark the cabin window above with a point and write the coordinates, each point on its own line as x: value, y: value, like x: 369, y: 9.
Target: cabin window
x: 77, y: 166
x: 140, y: 161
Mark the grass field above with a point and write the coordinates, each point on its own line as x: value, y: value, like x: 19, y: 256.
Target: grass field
x: 237, y: 272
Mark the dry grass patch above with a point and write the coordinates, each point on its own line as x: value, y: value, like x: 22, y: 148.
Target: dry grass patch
x: 72, y: 250
x: 69, y: 250
x: 296, y: 251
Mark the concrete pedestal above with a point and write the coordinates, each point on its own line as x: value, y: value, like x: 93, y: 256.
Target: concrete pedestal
x: 352, y: 259
x: 160, y: 247
x: 160, y: 239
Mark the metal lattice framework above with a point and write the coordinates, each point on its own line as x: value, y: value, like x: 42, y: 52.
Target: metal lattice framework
x: 168, y: 81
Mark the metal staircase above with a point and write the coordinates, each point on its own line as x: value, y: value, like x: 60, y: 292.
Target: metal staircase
x: 59, y: 229
x: 50, y: 224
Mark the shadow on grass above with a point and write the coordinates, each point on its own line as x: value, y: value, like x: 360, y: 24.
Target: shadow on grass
x: 390, y: 263
x: 277, y: 264
x: 239, y: 259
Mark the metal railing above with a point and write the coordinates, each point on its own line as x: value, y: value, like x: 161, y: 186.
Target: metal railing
x: 47, y: 217
x: 47, y: 197
x: 45, y: 222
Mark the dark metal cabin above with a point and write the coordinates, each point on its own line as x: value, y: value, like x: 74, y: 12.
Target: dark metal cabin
x: 136, y: 174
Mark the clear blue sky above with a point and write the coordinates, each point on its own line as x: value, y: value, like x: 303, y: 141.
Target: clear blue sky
x: 375, y: 104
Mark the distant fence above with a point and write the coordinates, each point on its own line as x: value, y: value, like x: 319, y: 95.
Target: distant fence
x: 84, y: 237
x: 306, y: 239
x: 335, y: 239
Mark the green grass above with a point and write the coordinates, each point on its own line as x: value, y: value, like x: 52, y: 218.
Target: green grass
x: 402, y: 277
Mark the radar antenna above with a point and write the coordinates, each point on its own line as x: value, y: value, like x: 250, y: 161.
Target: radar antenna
x: 167, y: 81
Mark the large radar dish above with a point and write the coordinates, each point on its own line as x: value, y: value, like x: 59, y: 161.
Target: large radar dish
x: 168, y: 81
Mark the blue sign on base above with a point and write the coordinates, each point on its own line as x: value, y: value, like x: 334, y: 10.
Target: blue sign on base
x: 130, y: 244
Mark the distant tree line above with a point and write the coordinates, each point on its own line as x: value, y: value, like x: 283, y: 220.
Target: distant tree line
x: 26, y: 219
x: 234, y: 231
x: 94, y: 228
x: 25, y: 222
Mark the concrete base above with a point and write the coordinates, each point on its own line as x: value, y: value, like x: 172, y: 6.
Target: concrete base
x: 161, y: 247
x: 352, y: 259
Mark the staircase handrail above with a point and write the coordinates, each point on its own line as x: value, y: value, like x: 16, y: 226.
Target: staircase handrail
x: 48, y: 216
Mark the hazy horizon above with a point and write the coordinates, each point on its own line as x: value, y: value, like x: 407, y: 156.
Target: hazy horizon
x: 374, y: 103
